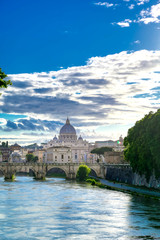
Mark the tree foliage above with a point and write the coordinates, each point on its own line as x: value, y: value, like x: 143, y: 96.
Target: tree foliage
x: 83, y: 172
x: 143, y: 145
x: 31, y: 158
x: 4, y: 83
x: 102, y: 150
x: 4, y: 144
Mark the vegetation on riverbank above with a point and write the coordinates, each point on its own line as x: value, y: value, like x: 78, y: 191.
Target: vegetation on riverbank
x: 83, y: 172
x: 142, y: 146
x: 97, y: 183
x: 12, y: 179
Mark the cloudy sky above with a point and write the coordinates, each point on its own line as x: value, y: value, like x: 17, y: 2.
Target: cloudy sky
x: 97, y: 62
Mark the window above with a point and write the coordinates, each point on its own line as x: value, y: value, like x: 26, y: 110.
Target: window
x: 62, y: 156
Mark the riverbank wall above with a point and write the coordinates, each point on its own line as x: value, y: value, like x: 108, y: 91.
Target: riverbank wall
x: 126, y: 175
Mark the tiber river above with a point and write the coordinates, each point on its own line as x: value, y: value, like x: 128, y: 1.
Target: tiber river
x: 61, y: 209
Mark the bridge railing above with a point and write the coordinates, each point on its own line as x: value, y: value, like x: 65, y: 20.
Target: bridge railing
x: 44, y: 164
x: 117, y: 165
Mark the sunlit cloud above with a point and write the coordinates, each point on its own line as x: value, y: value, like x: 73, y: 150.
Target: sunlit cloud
x: 151, y: 15
x: 117, y: 89
x: 146, y: 16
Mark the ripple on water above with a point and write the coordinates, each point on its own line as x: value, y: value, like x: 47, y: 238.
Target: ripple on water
x: 60, y: 209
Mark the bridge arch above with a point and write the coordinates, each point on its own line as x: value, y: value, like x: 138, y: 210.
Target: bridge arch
x: 21, y: 170
x: 56, y: 171
x: 57, y: 167
x: 31, y: 172
x: 93, y: 173
x: 1, y: 172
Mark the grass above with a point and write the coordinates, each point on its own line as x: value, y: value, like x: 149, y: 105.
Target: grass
x: 97, y: 183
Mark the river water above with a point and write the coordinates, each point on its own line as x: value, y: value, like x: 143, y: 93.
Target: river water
x: 61, y: 209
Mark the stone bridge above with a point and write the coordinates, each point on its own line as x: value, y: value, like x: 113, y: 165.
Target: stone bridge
x: 40, y: 170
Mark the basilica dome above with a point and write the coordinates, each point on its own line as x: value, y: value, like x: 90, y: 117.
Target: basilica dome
x: 67, y: 128
x: 68, y: 133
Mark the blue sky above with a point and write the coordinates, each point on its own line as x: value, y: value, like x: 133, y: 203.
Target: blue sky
x: 97, y: 62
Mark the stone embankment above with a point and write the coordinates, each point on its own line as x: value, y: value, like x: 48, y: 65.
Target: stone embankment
x: 123, y: 173
x: 130, y: 189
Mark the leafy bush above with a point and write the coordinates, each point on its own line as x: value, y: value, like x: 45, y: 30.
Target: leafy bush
x: 83, y: 172
x: 92, y: 181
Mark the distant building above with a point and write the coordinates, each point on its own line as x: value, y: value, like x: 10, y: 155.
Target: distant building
x: 33, y: 147
x: 79, y: 148
x: 44, y: 145
x: 5, y: 151
x: 59, y: 154
x: 24, y: 152
x: 15, y: 157
x: 15, y: 147
x: 116, y: 145
x: 113, y: 157
x: 109, y: 143
x: 40, y: 154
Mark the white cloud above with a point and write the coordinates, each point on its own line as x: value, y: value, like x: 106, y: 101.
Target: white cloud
x: 141, y: 2
x: 105, y: 4
x: 137, y: 42
x: 2, y: 121
x: 131, y: 6
x: 155, y: 11
x: 113, y: 90
x: 125, y: 23
x: 150, y: 15
x: 146, y: 16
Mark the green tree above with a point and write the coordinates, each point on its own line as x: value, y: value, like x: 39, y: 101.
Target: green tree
x: 102, y: 150
x: 31, y: 158
x: 83, y: 172
x: 142, y: 145
x: 35, y: 158
x: 4, y: 83
x: 3, y: 144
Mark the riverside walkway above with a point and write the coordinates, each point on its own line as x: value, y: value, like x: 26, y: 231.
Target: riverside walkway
x: 127, y: 188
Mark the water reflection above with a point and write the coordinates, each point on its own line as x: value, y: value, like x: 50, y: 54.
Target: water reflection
x: 61, y: 209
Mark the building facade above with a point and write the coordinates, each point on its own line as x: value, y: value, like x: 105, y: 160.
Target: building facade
x: 59, y: 154
x: 114, y: 158
x: 116, y: 145
x: 40, y: 154
x: 68, y: 147
x: 15, y: 147
x: 5, y: 152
